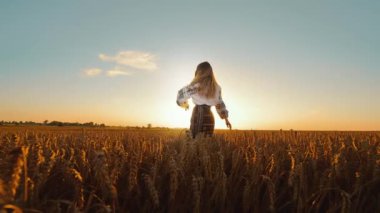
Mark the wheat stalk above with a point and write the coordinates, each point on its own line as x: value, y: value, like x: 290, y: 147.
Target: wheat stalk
x: 152, y: 191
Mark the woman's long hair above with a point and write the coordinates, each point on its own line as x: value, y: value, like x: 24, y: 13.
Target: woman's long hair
x: 206, y: 79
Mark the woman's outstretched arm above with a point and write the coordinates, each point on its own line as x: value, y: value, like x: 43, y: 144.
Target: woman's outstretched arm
x: 222, y: 110
x: 184, y: 94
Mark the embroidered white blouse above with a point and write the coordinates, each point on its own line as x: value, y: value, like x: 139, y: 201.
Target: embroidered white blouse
x: 191, y: 91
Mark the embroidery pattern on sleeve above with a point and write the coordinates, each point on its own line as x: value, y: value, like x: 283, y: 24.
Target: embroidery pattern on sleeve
x: 184, y: 94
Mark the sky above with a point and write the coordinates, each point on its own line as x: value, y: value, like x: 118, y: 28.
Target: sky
x: 308, y: 65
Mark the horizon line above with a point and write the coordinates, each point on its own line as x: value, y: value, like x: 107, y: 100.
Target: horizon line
x: 25, y: 124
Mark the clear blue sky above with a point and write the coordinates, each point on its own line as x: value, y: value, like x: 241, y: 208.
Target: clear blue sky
x: 281, y: 64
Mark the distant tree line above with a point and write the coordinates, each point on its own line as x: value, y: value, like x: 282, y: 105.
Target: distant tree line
x: 60, y: 123
x: 52, y: 123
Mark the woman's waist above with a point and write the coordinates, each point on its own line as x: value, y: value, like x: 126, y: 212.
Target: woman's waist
x: 205, y: 106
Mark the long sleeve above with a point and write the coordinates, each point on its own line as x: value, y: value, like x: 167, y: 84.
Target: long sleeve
x: 184, y: 94
x: 221, y: 107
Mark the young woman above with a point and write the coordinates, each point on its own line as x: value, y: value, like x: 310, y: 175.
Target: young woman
x: 205, y: 92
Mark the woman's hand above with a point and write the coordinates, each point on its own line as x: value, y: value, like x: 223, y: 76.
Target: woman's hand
x: 186, y: 106
x: 228, y: 124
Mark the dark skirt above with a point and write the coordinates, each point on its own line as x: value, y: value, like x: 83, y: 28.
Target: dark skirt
x: 202, y: 121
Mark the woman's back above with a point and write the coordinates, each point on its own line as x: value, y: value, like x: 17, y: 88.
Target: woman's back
x: 200, y: 99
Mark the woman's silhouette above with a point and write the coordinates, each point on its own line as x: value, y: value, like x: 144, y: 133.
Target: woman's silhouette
x: 205, y: 92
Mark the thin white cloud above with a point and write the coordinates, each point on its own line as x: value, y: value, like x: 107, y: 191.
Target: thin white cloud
x: 118, y: 71
x: 91, y: 72
x: 135, y: 59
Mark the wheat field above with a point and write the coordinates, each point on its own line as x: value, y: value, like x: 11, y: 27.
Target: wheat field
x: 65, y: 169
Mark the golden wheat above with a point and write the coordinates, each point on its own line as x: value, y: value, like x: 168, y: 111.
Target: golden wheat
x: 51, y: 169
